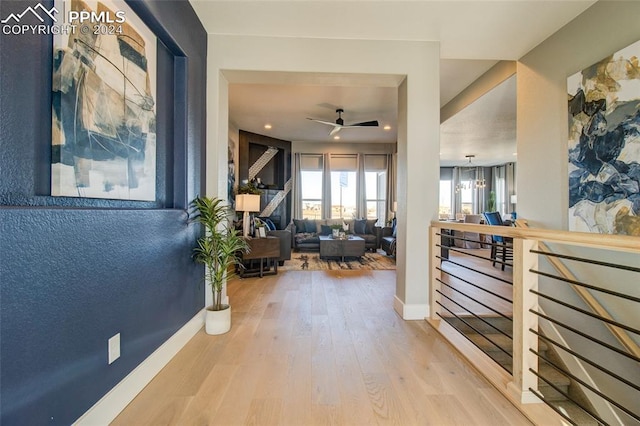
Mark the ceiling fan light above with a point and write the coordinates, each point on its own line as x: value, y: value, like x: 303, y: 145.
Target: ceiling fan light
x: 387, y: 127
x: 339, y: 124
x: 336, y: 137
x: 267, y: 126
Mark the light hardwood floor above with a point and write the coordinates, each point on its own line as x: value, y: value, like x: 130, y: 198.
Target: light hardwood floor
x: 316, y: 348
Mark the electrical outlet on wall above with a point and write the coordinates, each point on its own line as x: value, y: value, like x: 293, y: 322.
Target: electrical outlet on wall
x: 114, y: 348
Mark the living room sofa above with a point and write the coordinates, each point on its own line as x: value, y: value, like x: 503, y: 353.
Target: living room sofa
x: 306, y: 232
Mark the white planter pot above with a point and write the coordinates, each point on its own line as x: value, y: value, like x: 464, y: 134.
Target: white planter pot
x: 218, y: 322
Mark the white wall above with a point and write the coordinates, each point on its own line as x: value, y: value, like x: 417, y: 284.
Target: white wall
x: 418, y: 141
x: 542, y: 133
x: 542, y: 128
x: 487, y: 81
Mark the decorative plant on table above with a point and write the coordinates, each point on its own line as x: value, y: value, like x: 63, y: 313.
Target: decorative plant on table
x: 260, y: 228
x: 335, y: 230
x: 249, y: 188
x: 220, y: 247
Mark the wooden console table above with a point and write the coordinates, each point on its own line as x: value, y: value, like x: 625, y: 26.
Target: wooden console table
x: 262, y: 249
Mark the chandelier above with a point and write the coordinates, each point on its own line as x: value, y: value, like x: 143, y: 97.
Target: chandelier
x: 477, y: 183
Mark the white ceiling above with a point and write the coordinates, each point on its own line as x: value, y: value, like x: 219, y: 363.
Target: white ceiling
x: 486, y: 129
x: 287, y: 108
x: 474, y: 35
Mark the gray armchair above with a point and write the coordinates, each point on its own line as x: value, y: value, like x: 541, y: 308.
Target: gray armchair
x: 388, y: 240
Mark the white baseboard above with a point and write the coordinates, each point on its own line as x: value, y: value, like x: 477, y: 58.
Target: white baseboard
x: 525, y: 401
x: 410, y: 312
x: 109, y: 406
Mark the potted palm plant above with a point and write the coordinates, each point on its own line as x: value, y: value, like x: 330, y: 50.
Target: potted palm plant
x: 220, y: 248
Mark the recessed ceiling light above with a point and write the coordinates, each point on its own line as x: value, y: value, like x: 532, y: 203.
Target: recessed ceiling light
x: 267, y: 126
x: 387, y: 127
x: 336, y: 137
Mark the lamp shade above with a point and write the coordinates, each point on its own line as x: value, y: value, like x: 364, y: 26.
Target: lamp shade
x: 514, y: 199
x: 247, y: 203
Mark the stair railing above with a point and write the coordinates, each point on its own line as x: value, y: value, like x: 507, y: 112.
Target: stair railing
x: 529, y: 247
x: 621, y: 335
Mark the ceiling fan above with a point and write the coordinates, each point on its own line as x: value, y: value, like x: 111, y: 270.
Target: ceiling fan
x: 339, y: 124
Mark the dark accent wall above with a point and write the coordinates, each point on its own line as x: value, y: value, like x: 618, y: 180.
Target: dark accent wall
x: 252, y: 146
x: 275, y: 173
x: 74, y: 272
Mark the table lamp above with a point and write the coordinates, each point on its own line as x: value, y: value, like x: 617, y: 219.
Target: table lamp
x: 247, y: 203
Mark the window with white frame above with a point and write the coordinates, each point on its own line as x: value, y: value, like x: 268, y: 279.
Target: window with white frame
x: 346, y: 198
x: 445, y: 209
x: 311, y: 185
x: 344, y: 171
x: 375, y: 173
x: 501, y: 202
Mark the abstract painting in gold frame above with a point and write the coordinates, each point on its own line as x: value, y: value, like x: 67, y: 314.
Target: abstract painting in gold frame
x: 604, y: 145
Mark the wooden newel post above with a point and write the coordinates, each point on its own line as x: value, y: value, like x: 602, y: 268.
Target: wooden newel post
x: 523, y: 320
x: 434, y: 263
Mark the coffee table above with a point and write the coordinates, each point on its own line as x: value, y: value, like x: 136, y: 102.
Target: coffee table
x: 334, y: 247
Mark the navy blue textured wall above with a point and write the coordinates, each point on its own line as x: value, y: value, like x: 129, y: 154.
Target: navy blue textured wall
x: 74, y: 272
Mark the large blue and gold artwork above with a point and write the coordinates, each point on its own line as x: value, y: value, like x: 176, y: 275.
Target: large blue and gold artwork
x: 604, y: 145
x: 103, y: 103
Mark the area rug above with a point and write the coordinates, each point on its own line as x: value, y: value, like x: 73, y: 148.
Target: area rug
x: 309, y: 261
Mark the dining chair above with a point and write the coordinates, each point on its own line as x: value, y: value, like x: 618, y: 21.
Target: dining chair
x: 471, y: 238
x: 497, y: 241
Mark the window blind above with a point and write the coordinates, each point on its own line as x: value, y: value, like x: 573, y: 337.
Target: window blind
x: 375, y: 163
x: 311, y: 162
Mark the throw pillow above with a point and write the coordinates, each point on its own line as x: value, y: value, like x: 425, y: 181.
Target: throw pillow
x: 360, y: 226
x: 310, y: 226
x: 300, y: 225
x: 325, y: 230
x: 371, y: 224
x: 270, y: 224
